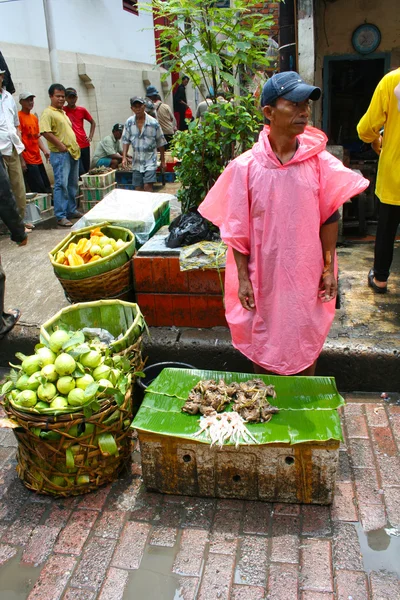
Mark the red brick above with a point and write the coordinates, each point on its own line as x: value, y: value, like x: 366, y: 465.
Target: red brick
x: 94, y: 564
x: 252, y: 563
x: 376, y: 415
x: 227, y: 504
x: 58, y: 516
x: 124, y: 494
x: 189, y: 559
x: 224, y: 533
x: 178, y: 280
x: 74, y: 594
x: 199, y: 513
x: 389, y: 470
x: 148, y: 307
x: 181, y: 310
x: 283, y: 582
x: 53, y: 578
x: 110, y: 524
x: 361, y: 454
x: 257, y: 517
x: 372, y: 516
x: 217, y: 578
x: 309, y: 595
x: 19, y: 532
x: 163, y: 536
x: 187, y: 589
x: 346, y: 548
x: 353, y: 408
x: 292, y: 510
x: 114, y: 585
x: 6, y: 552
x: 392, y: 502
x: 40, y: 545
x: 170, y: 515
x: 74, y: 535
x: 160, y: 274
x: 316, y: 565
x: 285, y: 539
x: 343, y: 507
x: 95, y: 500
x: 145, y: 507
x: 344, y: 471
x: 164, y: 310
x: 316, y: 520
x: 395, y: 425
x: 248, y: 592
x: 384, y: 585
x: 356, y: 426
x: 5, y: 454
x: 383, y: 441
x: 351, y: 584
x: 131, y: 545
x: 367, y: 486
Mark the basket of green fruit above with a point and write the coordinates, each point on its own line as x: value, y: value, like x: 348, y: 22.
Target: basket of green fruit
x: 70, y: 407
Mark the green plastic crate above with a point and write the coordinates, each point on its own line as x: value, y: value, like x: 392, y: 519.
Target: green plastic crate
x: 96, y: 194
x: 116, y: 316
x: 99, y: 181
x: 103, y: 265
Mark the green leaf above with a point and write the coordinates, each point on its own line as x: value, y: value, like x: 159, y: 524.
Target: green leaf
x: 87, y: 411
x: 91, y: 389
x: 13, y: 375
x: 21, y: 356
x: 77, y: 338
x: 9, y: 385
x: 79, y: 350
x: 107, y: 444
x: 307, y: 407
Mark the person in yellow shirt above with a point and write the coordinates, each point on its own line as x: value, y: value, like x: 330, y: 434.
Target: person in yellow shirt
x: 56, y: 127
x: 384, y: 112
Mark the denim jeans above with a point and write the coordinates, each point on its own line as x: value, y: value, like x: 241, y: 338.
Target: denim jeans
x: 66, y: 173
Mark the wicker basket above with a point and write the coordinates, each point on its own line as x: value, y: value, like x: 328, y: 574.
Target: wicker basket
x: 44, y: 465
x: 117, y: 283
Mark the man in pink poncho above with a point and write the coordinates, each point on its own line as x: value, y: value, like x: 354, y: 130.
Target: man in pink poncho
x: 277, y: 209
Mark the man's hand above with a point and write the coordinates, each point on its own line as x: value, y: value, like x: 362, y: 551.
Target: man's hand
x: 47, y: 156
x: 327, y: 287
x: 24, y: 242
x: 162, y: 164
x: 246, y: 295
x: 23, y: 163
x: 377, y: 145
x: 124, y: 161
x: 62, y: 147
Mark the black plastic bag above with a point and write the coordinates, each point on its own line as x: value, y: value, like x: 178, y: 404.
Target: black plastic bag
x: 188, y: 229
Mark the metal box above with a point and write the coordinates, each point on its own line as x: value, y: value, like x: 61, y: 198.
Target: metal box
x: 304, y: 472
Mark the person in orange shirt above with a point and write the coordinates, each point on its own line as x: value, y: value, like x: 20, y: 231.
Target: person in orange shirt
x: 34, y: 171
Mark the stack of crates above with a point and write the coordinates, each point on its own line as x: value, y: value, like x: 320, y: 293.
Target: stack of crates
x: 95, y: 187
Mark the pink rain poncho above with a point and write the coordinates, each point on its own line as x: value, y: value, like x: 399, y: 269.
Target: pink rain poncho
x: 273, y: 213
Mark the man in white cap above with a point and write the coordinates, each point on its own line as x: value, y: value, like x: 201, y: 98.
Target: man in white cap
x: 163, y: 114
x: 35, y: 172
x: 11, y: 147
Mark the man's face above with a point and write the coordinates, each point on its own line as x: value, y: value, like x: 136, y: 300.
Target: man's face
x: 1, y: 79
x: 117, y: 134
x: 288, y: 117
x: 138, y: 109
x: 28, y: 103
x: 71, y: 101
x: 185, y: 82
x: 58, y: 99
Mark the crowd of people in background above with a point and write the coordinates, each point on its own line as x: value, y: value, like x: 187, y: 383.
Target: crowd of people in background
x: 61, y: 138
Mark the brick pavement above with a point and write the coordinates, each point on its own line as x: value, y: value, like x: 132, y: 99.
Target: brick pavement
x: 93, y: 547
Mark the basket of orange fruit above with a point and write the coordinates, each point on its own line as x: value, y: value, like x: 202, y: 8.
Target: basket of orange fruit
x: 95, y: 262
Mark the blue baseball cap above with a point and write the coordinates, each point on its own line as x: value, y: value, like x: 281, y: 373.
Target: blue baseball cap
x: 288, y: 85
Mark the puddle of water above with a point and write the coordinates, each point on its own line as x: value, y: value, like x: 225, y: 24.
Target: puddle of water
x: 153, y: 580
x: 380, y: 549
x: 16, y: 581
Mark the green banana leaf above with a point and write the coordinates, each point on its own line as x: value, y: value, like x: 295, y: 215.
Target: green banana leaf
x: 117, y: 316
x: 307, y: 407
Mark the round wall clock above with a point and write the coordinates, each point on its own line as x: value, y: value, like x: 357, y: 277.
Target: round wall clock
x: 366, y: 38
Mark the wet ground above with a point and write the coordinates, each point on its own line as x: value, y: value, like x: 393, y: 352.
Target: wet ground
x: 123, y: 543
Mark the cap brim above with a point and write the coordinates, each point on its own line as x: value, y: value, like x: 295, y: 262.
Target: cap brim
x: 303, y: 92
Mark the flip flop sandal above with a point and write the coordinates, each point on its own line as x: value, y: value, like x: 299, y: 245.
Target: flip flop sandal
x: 15, y: 313
x: 372, y: 284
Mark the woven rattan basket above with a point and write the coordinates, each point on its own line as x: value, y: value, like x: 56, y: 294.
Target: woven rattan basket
x: 117, y: 283
x: 73, y: 463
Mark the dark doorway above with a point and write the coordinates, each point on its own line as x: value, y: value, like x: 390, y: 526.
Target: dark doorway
x: 351, y: 84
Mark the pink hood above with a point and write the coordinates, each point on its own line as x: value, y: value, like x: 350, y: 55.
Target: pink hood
x: 311, y: 142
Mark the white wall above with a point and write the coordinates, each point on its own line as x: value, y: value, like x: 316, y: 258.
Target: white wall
x: 99, y: 27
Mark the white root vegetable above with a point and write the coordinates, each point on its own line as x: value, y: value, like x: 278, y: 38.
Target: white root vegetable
x: 223, y: 427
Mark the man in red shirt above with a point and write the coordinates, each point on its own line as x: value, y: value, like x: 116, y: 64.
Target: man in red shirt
x: 32, y: 164
x: 77, y: 115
